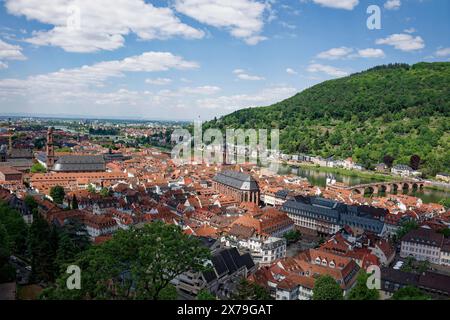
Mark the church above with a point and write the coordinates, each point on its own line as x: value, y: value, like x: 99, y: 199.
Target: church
x: 241, y: 186
x: 69, y: 163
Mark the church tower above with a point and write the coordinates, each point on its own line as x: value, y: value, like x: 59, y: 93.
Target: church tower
x: 50, y: 149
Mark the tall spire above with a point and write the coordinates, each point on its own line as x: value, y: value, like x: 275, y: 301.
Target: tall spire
x: 50, y: 149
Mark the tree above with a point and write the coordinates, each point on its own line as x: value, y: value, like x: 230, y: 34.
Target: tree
x: 326, y: 288
x: 414, y: 162
x: 388, y: 160
x: 6, y: 270
x: 292, y: 236
x: 57, y: 193
x: 41, y: 249
x: 104, y: 192
x: 410, y: 293
x: 77, y: 233
x: 30, y: 202
x: 360, y: 291
x: 247, y: 290
x: 405, y: 228
x: 38, y: 168
x: 135, y: 264
x: 445, y: 202
x: 205, y: 295
x: 16, y: 228
x: 74, y: 204
x: 91, y: 189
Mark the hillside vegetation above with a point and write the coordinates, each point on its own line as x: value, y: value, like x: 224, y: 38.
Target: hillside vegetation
x: 397, y: 110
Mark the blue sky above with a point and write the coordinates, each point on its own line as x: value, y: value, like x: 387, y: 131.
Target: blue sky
x: 184, y: 59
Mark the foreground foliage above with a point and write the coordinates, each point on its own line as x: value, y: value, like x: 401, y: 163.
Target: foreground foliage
x: 134, y: 264
x: 326, y: 288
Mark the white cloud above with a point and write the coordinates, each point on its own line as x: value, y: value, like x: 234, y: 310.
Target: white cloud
x: 102, y: 24
x: 3, y: 65
x: 244, y: 19
x: 203, y: 90
x: 159, y: 81
x: 329, y: 70
x: 371, y: 53
x: 410, y: 30
x: 335, y: 53
x: 10, y: 52
x: 347, y: 53
x: 84, y: 80
x: 392, y: 4
x: 243, y: 75
x: 291, y: 71
x: 338, y: 4
x: 403, y: 42
x: 263, y: 97
x: 443, y: 52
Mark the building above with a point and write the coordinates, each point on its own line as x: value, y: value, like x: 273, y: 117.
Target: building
x: 425, y: 244
x: 405, y: 171
x: 268, y: 221
x: 80, y: 163
x: 325, y: 216
x: 276, y: 198
x: 228, y: 267
x: 10, y: 174
x: 240, y: 186
x: 69, y: 163
x: 293, y: 278
x: 16, y: 158
x: 443, y: 177
x: 43, y: 182
x: 263, y: 249
x: 435, y: 284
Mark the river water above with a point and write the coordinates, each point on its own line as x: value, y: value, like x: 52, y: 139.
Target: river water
x: 318, y: 178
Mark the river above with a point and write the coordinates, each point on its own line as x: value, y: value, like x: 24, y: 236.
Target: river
x: 317, y: 177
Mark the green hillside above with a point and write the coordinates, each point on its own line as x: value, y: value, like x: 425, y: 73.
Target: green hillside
x: 397, y: 110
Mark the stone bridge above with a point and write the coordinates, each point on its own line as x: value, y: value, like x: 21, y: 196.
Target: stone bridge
x: 387, y: 187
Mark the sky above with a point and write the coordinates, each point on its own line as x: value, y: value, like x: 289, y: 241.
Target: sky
x: 199, y: 59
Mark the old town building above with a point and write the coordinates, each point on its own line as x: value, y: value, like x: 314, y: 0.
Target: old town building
x: 241, y: 186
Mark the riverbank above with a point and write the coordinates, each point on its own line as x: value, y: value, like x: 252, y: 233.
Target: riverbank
x: 349, y: 173
x: 437, y: 188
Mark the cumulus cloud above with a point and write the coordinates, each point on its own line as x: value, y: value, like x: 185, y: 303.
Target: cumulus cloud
x: 444, y: 52
x: 86, y: 78
x: 243, y: 75
x: 159, y: 81
x: 371, y: 53
x: 403, y: 42
x: 409, y: 30
x: 329, y: 70
x: 338, y: 4
x: 9, y: 52
x: 244, y: 19
x: 335, y: 53
x: 347, y: 53
x: 263, y: 97
x: 89, y: 26
x: 291, y: 71
x: 392, y: 4
x: 202, y: 90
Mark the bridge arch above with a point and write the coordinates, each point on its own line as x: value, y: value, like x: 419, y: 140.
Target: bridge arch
x: 384, y: 188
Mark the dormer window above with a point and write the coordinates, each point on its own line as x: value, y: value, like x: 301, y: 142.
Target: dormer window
x: 324, y: 262
x: 332, y: 264
x: 317, y: 260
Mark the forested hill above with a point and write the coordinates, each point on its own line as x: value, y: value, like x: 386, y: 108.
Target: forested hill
x: 397, y: 110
